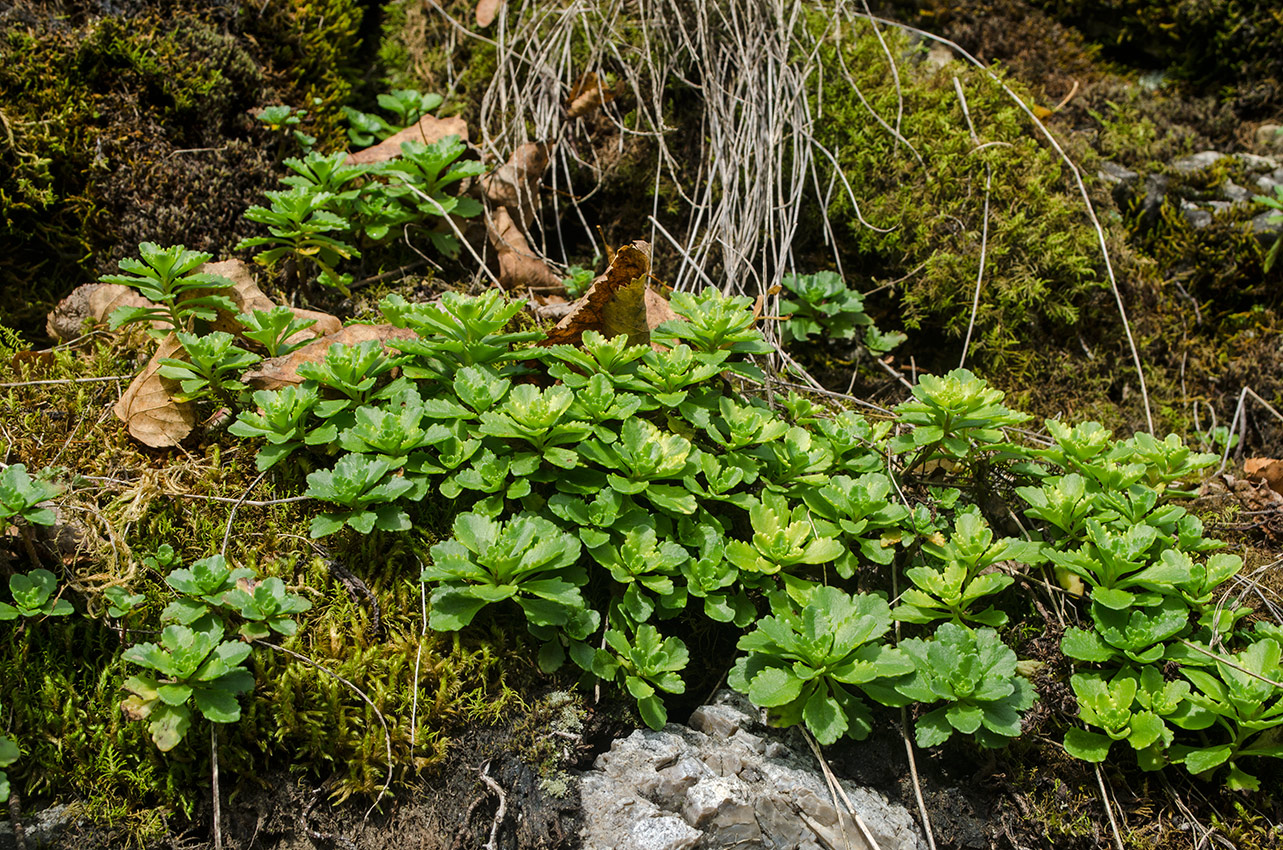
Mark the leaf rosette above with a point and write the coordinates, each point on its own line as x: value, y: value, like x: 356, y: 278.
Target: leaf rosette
x: 811, y: 665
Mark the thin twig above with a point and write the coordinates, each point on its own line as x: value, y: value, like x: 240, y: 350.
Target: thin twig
x: 1109, y: 809
x: 231, y: 516
x: 15, y: 820
x: 904, y: 715
x: 213, y: 777
x: 917, y: 783
x: 239, y: 501
x: 1240, y: 412
x: 836, y: 787
x: 418, y: 658
x: 1228, y: 662
x: 984, y: 234
x: 502, y: 811
x: 397, y: 272
x: 249, y: 503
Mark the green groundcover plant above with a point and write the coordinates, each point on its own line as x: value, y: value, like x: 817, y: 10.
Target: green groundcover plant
x: 331, y: 211
x: 619, y: 499
x: 608, y: 490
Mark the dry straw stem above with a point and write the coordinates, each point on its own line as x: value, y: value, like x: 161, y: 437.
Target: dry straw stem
x: 904, y: 713
x: 1240, y: 420
x: 52, y: 381
x: 1229, y: 662
x: 1109, y: 809
x: 755, y: 70
x: 984, y: 234
x: 836, y: 790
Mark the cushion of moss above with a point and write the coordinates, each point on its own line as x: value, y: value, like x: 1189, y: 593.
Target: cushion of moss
x: 133, y: 126
x: 61, y: 678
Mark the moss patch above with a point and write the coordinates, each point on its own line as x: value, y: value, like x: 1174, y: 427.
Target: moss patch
x: 123, y: 127
x: 61, y: 679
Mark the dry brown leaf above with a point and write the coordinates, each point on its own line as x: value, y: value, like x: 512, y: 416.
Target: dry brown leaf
x: 487, y: 11
x: 94, y: 301
x: 282, y: 371
x: 519, y: 266
x: 147, y: 408
x: 108, y: 297
x: 247, y: 297
x: 618, y: 302
x: 658, y: 310
x: 553, y: 308
x: 244, y: 293
x: 32, y: 360
x: 586, y: 95
x: 427, y: 130
x: 515, y: 184
x: 67, y: 320
x: 1265, y: 469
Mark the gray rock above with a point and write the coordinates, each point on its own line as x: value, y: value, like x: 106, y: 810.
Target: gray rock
x: 749, y: 741
x: 1269, y: 182
x: 666, y: 832
x: 1122, y: 182
x: 724, y: 763
x: 675, y: 781
x: 39, y: 829
x: 720, y: 721
x: 939, y: 56
x: 1113, y: 173
x: 1269, y: 138
x: 1151, y: 205
x: 747, y: 789
x: 780, y: 823
x: 1197, y: 162
x: 716, y: 797
x: 1257, y: 164
x: 1234, y: 193
x: 1196, y: 216
x: 1267, y: 232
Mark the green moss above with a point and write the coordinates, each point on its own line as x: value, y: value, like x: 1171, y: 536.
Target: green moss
x: 1209, y: 42
x: 61, y: 679
x: 77, y: 100
x: 421, y: 51
x: 316, y: 48
x: 116, y: 129
x: 1043, y: 263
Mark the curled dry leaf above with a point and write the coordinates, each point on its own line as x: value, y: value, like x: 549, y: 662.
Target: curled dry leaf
x: 1261, y: 506
x: 283, y: 371
x: 519, y: 266
x: 109, y: 297
x: 515, y: 184
x: 427, y: 130
x: 91, y: 301
x: 1265, y: 469
x: 147, y: 408
x: 487, y: 11
x: 618, y: 302
x: 586, y: 95
x: 552, y: 308
x: 67, y: 319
